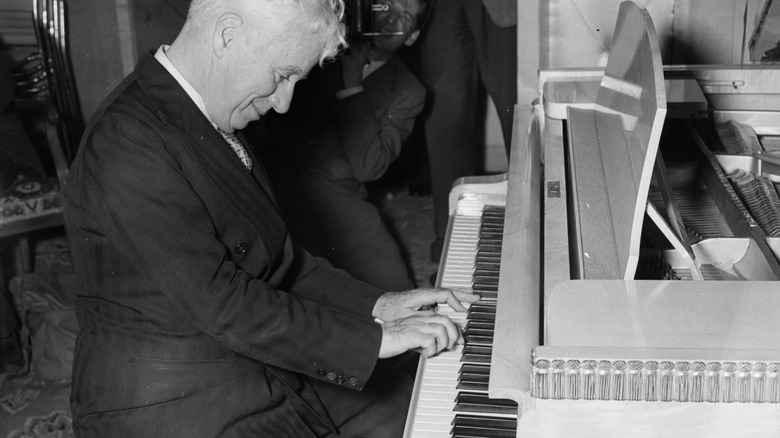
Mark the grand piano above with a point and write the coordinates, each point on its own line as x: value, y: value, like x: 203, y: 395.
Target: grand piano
x: 627, y: 262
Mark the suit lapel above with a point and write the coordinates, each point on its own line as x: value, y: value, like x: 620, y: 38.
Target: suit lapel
x: 249, y: 192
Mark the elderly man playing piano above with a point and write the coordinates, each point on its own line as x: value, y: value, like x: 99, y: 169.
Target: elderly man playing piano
x: 199, y: 317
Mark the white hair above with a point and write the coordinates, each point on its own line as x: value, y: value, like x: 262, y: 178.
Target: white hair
x: 322, y: 17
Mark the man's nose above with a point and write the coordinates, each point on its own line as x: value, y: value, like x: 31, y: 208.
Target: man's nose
x: 282, y: 97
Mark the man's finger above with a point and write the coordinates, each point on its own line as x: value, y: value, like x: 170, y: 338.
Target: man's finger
x: 456, y: 300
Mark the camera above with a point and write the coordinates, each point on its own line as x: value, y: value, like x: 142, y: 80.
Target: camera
x: 361, y: 17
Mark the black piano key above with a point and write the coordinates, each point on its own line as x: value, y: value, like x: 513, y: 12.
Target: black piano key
x: 481, y: 313
x: 479, y: 337
x: 486, y: 293
x: 481, y: 325
x: 478, y: 327
x: 476, y: 402
x: 489, y: 264
x: 493, y: 221
x: 491, y: 234
x: 479, y: 341
x: 481, y: 432
x: 485, y: 242
x: 488, y: 254
x: 487, y: 260
x: 488, y: 268
x: 484, y: 316
x: 477, y: 376
x: 494, y: 251
x: 475, y: 369
x: 481, y: 278
x: 477, y: 333
x: 477, y: 348
x: 504, y: 423
x: 475, y: 357
x: 474, y: 377
x: 482, y: 258
x: 487, y: 286
x: 472, y: 386
x: 489, y: 272
x: 483, y: 287
x: 483, y: 306
x: 489, y: 216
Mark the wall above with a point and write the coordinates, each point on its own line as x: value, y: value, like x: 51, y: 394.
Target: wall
x: 107, y: 37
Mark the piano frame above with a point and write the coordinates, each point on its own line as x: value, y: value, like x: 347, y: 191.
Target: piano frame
x: 534, y: 295
x: 555, y: 300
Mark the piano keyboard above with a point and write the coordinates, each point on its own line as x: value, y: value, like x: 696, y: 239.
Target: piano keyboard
x: 451, y: 394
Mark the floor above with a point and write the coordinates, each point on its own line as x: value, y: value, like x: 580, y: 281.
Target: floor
x: 35, y: 407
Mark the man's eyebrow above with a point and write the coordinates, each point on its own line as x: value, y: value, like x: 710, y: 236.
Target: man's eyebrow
x: 293, y: 70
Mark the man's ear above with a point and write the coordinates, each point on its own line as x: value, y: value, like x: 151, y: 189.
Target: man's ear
x: 412, y: 38
x: 225, y: 32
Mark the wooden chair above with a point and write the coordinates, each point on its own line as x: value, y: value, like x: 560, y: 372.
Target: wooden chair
x: 46, y: 95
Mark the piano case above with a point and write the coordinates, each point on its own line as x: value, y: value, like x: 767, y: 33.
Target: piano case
x: 664, y: 321
x: 638, y: 284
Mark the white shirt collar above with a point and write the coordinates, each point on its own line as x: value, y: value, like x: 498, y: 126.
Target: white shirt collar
x: 160, y: 56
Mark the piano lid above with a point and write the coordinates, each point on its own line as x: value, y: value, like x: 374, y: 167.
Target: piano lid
x: 614, y: 147
x: 717, y: 315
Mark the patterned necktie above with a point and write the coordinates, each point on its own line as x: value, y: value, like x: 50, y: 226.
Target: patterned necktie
x: 238, y: 148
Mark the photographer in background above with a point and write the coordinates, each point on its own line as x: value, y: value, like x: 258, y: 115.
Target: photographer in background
x: 357, y: 112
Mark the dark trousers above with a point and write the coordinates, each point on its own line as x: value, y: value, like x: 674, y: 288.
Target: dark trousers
x: 462, y: 51
x: 379, y: 410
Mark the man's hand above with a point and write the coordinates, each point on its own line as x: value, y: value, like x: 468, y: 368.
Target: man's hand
x: 396, y: 305
x: 430, y: 334
x: 352, y: 63
x: 409, y: 320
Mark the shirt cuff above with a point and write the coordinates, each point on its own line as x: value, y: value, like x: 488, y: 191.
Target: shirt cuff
x: 341, y: 94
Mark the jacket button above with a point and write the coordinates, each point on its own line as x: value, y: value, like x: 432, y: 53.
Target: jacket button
x: 331, y: 376
x: 241, y: 248
x: 340, y: 380
x: 321, y: 372
x: 352, y: 381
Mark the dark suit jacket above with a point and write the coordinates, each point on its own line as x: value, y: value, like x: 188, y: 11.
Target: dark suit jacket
x: 352, y: 140
x: 502, y: 12
x: 196, y: 318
